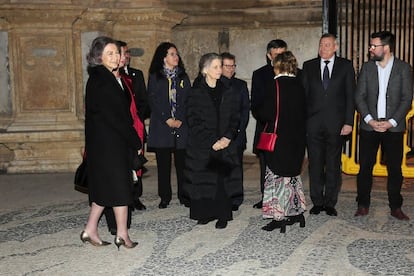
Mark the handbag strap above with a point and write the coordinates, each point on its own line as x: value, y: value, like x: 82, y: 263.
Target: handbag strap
x: 277, y: 107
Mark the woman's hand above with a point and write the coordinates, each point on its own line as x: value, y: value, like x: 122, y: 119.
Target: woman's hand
x: 174, y: 123
x: 221, y: 144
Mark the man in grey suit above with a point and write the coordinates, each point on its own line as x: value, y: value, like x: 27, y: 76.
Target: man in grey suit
x: 329, y: 83
x: 383, y: 98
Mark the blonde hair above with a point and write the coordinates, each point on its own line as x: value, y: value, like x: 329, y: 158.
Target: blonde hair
x: 286, y: 63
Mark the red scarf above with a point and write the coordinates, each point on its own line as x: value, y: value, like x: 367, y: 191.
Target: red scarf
x: 138, y: 124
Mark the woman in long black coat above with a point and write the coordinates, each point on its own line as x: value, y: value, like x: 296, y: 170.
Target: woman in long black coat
x: 212, y: 176
x: 283, y: 199
x: 110, y: 141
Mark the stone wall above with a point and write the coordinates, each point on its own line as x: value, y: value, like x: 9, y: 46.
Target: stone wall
x: 43, y: 44
x: 249, y: 46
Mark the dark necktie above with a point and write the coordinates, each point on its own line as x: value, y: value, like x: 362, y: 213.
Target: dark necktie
x: 325, y: 79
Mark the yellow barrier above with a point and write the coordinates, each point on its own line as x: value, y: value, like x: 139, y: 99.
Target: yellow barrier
x: 350, y: 166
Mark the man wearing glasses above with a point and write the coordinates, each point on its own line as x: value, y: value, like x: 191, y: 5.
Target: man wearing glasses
x: 383, y: 98
x: 240, y: 86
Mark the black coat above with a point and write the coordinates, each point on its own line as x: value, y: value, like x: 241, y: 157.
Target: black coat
x: 240, y: 86
x: 140, y: 90
x: 206, y: 126
x: 110, y: 140
x: 287, y: 158
x: 160, y: 135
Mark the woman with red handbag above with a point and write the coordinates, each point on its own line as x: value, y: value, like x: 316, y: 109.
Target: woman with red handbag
x: 283, y: 113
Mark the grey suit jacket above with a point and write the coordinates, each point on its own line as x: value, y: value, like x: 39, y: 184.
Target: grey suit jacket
x: 399, y: 94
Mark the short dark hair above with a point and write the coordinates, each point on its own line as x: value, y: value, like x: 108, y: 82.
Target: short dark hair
x: 122, y: 43
x: 276, y: 44
x: 227, y: 55
x: 387, y: 38
x: 94, y: 57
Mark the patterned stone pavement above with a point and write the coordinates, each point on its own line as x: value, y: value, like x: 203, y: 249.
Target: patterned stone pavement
x: 41, y: 217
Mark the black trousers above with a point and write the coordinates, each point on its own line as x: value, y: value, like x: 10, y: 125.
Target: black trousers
x: 110, y: 218
x: 163, y: 156
x: 262, y: 164
x: 109, y: 212
x: 324, y: 155
x: 392, y: 147
x: 238, y: 200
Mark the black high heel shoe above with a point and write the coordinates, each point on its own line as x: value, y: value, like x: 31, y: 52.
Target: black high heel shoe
x: 85, y: 238
x: 275, y: 224
x: 294, y: 219
x: 120, y: 241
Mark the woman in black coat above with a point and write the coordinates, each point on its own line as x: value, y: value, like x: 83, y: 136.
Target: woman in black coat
x: 110, y: 142
x: 168, y: 87
x: 212, y: 166
x: 283, y: 199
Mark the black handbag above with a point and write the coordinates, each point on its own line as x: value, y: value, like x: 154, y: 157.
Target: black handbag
x: 138, y: 161
x: 81, y: 177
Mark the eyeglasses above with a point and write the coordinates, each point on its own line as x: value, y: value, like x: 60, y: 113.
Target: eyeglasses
x: 229, y: 65
x: 373, y: 46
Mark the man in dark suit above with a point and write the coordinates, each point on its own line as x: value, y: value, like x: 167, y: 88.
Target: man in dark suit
x: 229, y: 70
x: 383, y: 98
x: 329, y: 83
x: 274, y: 47
x: 141, y: 101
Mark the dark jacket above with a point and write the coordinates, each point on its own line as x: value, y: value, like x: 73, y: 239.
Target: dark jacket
x: 240, y: 86
x: 287, y: 158
x: 110, y: 140
x: 259, y: 78
x: 206, y: 126
x: 141, y: 95
x: 334, y: 107
x: 160, y: 134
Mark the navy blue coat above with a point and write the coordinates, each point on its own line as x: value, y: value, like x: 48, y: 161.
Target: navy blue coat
x: 160, y: 134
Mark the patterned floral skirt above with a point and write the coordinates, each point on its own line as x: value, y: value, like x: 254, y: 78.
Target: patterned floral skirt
x: 283, y: 196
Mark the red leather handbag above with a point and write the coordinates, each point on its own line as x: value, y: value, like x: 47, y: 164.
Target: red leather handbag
x: 267, y: 140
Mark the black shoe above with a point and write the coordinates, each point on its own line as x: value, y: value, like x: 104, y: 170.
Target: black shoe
x: 138, y: 205
x: 316, y: 209
x: 331, y: 211
x: 275, y: 224
x: 235, y: 208
x: 185, y: 202
x: 163, y: 204
x: 221, y: 224
x: 113, y: 231
x: 258, y: 205
x: 204, y: 221
x: 294, y: 219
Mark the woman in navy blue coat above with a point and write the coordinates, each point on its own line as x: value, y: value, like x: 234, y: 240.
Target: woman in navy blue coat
x: 168, y: 87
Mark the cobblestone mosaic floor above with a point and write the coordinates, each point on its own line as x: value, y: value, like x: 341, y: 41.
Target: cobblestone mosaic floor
x: 43, y: 239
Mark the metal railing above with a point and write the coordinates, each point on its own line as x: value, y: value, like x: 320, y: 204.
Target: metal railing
x: 356, y: 20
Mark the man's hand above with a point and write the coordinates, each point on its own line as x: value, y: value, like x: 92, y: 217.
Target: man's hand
x: 346, y: 129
